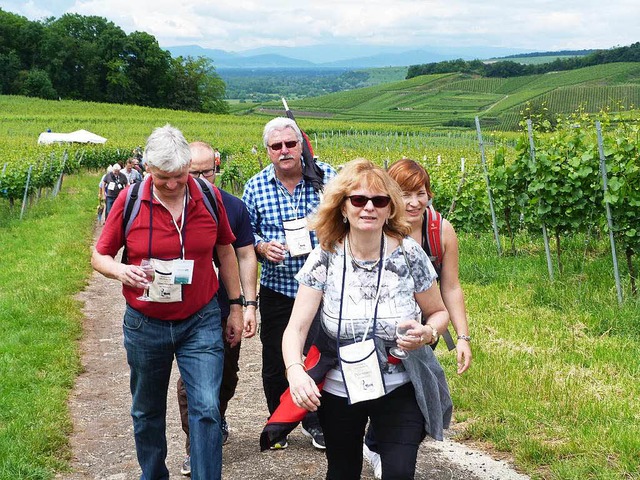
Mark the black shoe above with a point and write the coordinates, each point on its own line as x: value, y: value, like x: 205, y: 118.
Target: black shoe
x: 225, y: 431
x: 316, y: 435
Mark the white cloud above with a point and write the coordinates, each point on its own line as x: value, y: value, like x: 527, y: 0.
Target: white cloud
x: 243, y: 24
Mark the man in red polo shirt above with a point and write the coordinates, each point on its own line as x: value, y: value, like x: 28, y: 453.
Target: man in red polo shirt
x: 177, y: 233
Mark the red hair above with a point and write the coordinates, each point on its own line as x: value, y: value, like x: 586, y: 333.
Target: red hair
x: 411, y: 176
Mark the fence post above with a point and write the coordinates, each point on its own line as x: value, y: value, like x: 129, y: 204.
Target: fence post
x: 25, y: 197
x: 58, y: 186
x: 459, y: 189
x: 486, y: 177
x: 603, y: 172
x: 547, y: 250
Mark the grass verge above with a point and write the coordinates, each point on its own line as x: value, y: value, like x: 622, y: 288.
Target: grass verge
x: 554, y: 378
x: 44, y: 263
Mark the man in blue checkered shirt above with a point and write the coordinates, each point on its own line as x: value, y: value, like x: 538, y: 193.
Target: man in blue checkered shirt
x: 275, y: 198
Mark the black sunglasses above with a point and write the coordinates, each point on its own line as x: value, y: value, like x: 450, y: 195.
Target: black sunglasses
x: 205, y: 173
x: 278, y: 145
x: 361, y: 200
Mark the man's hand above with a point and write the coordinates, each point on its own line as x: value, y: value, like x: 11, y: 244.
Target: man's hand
x: 235, y: 325
x: 249, y: 322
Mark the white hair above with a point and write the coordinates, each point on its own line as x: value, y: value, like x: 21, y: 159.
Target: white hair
x: 279, y: 124
x: 167, y: 149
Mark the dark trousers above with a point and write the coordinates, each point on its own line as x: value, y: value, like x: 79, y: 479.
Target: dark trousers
x: 227, y: 389
x: 399, y: 427
x: 275, y: 311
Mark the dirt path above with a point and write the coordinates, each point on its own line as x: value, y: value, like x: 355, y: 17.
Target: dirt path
x: 102, y: 440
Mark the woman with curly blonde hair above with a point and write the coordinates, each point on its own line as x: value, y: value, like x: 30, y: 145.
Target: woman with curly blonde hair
x: 371, y: 279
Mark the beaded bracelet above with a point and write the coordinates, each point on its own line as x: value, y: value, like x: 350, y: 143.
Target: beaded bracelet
x: 464, y: 337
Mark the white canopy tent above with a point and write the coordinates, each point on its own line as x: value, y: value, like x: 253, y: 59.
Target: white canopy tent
x: 79, y: 136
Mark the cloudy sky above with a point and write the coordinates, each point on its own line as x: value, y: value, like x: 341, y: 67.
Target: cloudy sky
x: 533, y: 25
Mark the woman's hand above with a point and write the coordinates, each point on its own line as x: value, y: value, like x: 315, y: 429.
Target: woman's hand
x: 304, y: 391
x: 464, y: 355
x: 418, y: 335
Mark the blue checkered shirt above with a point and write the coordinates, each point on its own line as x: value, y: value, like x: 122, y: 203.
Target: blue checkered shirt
x: 269, y: 204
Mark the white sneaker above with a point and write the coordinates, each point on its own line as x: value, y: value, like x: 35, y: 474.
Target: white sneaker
x: 374, y: 460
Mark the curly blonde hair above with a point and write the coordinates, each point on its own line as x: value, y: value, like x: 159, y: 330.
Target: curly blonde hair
x: 359, y: 173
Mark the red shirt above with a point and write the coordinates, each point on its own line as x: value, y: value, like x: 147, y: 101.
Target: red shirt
x: 200, y: 235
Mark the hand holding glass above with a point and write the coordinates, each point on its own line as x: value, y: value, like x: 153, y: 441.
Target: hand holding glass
x: 150, y: 273
x: 402, y: 328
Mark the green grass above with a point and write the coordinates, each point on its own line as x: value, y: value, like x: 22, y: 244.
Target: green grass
x: 554, y: 375
x: 45, y: 262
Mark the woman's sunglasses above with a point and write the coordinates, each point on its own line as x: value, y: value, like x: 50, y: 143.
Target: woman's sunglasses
x: 360, y: 201
x: 278, y: 145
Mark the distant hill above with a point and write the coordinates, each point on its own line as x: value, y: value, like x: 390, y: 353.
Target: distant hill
x: 335, y: 56
x: 454, y: 99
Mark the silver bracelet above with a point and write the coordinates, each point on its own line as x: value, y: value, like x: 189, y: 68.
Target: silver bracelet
x: 464, y: 337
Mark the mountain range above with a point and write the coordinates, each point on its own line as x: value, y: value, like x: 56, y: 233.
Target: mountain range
x: 333, y: 56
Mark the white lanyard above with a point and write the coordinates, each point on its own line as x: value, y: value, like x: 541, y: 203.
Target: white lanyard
x: 285, y: 192
x: 383, y: 262
x: 175, y: 224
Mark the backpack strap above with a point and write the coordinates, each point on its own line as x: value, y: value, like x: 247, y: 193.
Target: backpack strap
x: 130, y: 212
x: 434, y: 236
x: 209, y: 196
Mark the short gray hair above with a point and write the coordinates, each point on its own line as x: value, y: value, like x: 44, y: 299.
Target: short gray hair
x: 280, y: 123
x: 167, y: 149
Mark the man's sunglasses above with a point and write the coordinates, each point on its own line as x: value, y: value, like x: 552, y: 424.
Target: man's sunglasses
x: 205, y: 173
x: 360, y: 201
x: 278, y: 145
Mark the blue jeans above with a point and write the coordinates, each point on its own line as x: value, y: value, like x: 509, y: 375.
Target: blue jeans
x: 109, y: 201
x: 196, y: 343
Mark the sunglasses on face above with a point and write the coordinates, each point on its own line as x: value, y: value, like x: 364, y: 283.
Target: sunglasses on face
x: 278, y: 145
x: 361, y: 200
x: 205, y: 173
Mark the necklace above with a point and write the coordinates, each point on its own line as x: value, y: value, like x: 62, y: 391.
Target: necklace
x: 369, y: 267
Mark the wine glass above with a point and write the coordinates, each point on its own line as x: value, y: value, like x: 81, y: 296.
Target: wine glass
x: 282, y: 240
x: 401, y: 330
x: 150, y: 273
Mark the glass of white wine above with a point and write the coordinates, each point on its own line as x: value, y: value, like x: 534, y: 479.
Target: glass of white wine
x: 150, y: 273
x: 402, y: 328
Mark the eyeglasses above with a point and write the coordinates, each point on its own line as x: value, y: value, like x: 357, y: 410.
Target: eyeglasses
x: 278, y: 145
x: 360, y: 201
x: 205, y: 173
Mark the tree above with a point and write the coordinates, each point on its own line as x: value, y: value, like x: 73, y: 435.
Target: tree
x: 196, y: 86
x: 38, y: 84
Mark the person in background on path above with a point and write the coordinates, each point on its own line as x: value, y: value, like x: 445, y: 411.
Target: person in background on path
x: 101, y: 197
x: 202, y: 166
x: 114, y: 182
x: 133, y: 176
x: 371, y: 280
x: 216, y: 159
x: 417, y: 195
x: 182, y: 317
x: 279, y: 199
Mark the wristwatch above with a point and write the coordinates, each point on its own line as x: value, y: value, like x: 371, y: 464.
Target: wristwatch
x: 434, y: 334
x: 237, y: 301
x: 253, y: 303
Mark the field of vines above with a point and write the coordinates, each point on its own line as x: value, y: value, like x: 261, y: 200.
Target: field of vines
x: 560, y: 186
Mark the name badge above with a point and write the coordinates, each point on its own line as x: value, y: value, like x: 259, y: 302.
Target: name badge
x: 182, y: 272
x: 297, y: 237
x: 361, y: 371
x: 164, y: 289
